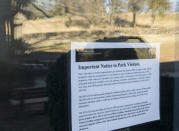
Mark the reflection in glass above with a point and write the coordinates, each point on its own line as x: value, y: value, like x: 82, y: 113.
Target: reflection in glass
x: 35, y: 33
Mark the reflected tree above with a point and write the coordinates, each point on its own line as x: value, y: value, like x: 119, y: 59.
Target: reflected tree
x: 89, y: 9
x: 177, y: 7
x: 116, y: 7
x: 135, y: 6
x: 158, y: 7
x: 4, y: 12
x: 9, y: 9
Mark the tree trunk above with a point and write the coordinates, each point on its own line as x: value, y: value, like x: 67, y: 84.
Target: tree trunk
x: 3, y: 42
x: 8, y: 30
x: 153, y: 20
x: 11, y: 21
x: 134, y: 19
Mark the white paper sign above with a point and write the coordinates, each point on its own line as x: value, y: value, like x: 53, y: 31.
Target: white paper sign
x: 113, y: 85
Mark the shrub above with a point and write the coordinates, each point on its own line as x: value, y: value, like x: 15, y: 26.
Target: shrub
x: 18, y: 47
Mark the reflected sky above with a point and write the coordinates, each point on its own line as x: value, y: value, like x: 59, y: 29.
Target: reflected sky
x: 173, y: 2
x: 174, y: 5
x: 49, y: 4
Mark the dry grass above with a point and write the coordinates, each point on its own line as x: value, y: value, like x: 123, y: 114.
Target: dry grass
x: 163, y: 32
x: 57, y: 24
x: 167, y: 45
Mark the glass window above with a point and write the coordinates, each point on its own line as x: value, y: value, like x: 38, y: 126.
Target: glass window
x: 35, y: 40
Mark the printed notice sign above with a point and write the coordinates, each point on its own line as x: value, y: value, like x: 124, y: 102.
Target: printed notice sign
x: 113, y: 85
